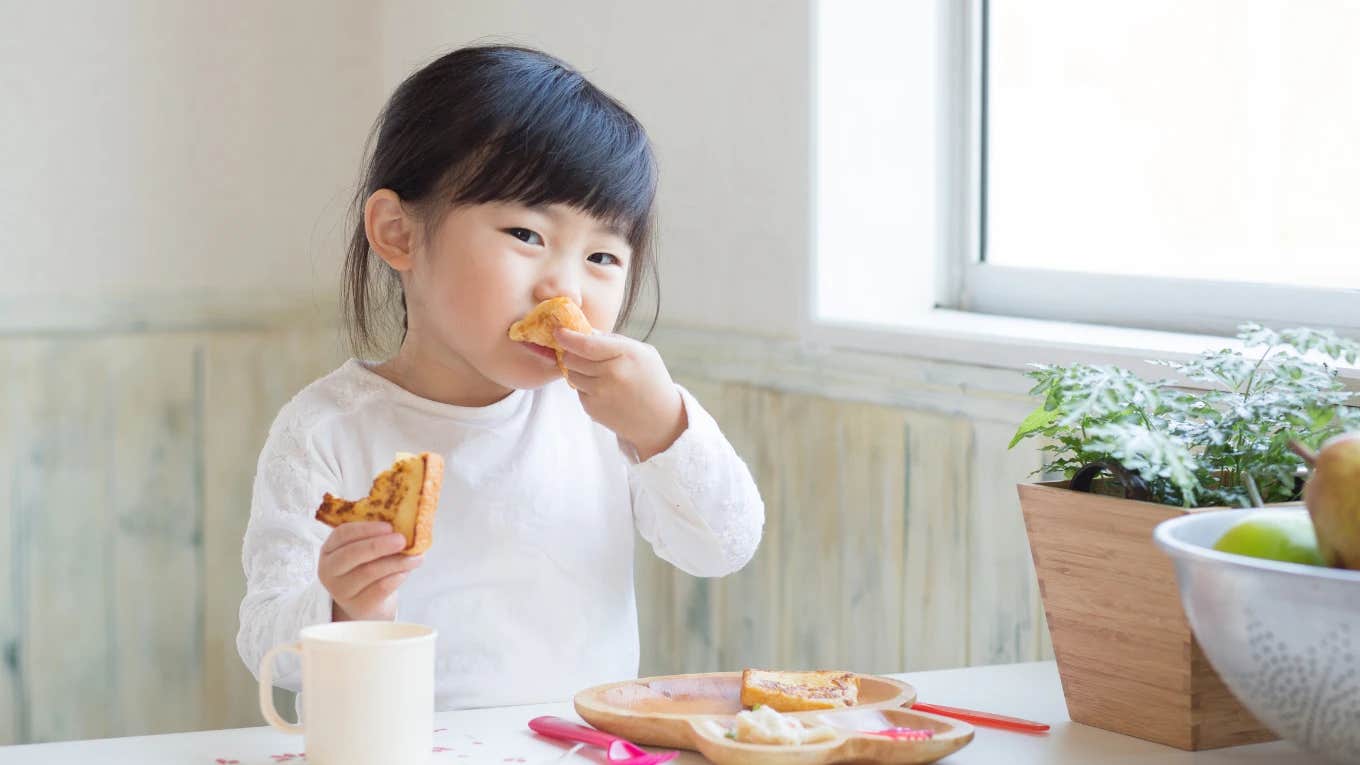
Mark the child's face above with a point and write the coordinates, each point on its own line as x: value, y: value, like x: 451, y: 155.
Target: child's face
x: 487, y: 265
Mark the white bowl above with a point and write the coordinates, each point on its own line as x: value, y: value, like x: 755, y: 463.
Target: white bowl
x: 1285, y: 637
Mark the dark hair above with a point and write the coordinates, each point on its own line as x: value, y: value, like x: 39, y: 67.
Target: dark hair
x: 499, y: 124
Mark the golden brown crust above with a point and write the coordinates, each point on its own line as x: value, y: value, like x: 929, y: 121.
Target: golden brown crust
x: 390, y: 491
x: 539, y: 324
x: 429, y: 502
x: 799, y: 691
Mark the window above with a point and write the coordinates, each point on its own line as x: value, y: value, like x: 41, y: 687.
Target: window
x: 1186, y: 150
x: 1166, y: 164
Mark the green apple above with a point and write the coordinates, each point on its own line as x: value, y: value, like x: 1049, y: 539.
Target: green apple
x: 1274, y: 535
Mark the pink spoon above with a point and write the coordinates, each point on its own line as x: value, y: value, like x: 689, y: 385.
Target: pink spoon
x: 904, y: 734
x: 617, y: 750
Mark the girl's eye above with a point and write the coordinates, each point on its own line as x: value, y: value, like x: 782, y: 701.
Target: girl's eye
x: 525, y: 235
x: 604, y: 259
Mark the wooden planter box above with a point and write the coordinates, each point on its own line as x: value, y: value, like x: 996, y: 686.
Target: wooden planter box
x: 1128, y: 660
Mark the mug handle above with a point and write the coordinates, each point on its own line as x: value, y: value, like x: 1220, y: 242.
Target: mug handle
x: 271, y: 715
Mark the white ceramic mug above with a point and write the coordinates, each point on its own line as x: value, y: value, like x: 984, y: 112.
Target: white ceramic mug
x: 367, y: 692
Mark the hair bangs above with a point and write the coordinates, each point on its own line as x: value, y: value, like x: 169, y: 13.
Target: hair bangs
x: 567, y: 146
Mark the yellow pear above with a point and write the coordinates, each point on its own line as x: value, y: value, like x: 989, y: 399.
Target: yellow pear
x: 1332, y: 495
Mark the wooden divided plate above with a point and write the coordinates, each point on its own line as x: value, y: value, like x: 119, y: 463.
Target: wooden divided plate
x: 693, y: 711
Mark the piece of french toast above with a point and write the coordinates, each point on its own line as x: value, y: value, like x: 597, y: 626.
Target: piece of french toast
x: 405, y: 495
x: 799, y: 691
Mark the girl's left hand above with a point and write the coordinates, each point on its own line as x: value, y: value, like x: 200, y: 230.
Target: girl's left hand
x: 625, y: 387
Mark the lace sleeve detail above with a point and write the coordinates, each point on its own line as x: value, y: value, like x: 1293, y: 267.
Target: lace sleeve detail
x: 696, y: 502
x: 280, y: 550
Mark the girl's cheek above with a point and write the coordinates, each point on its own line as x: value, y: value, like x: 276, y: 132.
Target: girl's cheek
x: 602, y: 316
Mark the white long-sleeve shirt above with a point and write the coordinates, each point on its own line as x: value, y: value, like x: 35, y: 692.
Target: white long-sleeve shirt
x: 529, y: 580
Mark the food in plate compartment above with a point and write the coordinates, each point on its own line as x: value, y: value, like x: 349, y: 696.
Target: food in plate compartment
x: 799, y: 691
x: 764, y: 725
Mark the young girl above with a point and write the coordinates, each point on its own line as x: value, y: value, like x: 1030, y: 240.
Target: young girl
x: 499, y: 178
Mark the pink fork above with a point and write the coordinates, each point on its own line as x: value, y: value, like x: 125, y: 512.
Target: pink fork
x: 617, y: 750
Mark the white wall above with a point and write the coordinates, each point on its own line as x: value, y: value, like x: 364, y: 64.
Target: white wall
x: 722, y: 87
x: 877, y: 169
x: 177, y: 157
x: 176, y: 163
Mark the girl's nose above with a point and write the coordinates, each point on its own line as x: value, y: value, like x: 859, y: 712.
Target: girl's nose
x: 560, y: 282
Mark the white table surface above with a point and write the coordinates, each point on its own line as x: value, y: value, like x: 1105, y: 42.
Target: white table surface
x: 501, y: 735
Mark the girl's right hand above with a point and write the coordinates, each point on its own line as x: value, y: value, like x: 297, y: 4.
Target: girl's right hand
x: 361, y: 565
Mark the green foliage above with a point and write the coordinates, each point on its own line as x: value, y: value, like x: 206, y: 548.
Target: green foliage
x: 1225, y: 442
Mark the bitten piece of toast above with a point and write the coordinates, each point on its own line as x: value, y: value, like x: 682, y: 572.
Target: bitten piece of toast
x: 799, y: 691
x: 538, y: 325
x: 405, y: 495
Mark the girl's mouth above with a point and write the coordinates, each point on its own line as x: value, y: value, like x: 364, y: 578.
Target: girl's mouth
x: 541, y: 350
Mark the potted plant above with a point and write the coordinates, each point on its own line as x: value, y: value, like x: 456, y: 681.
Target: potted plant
x: 1136, y: 452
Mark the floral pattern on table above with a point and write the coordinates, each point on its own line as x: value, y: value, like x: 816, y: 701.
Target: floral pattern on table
x: 446, y: 747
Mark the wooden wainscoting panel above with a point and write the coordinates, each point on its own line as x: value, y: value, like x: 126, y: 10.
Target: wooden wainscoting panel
x: 934, y: 608
x: 19, y: 371
x: 872, y: 536
x: 65, y: 566
x: 152, y: 440
x: 1004, y: 602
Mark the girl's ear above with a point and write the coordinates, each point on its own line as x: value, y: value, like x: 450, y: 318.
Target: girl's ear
x: 389, y: 228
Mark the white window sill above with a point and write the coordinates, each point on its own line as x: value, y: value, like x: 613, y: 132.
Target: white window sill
x: 1009, y: 342
x: 950, y: 361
